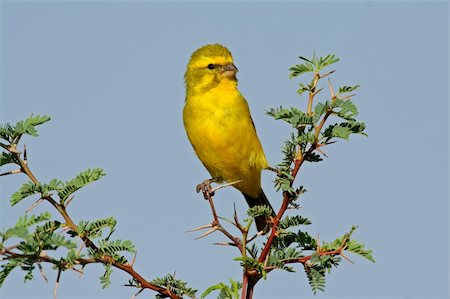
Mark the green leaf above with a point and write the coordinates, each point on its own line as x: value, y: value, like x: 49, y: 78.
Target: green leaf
x: 347, y: 89
x: 26, y: 221
x: 105, y: 279
x: 7, y: 268
x: 8, y: 158
x: 278, y: 257
x: 94, y: 229
x: 27, y: 126
x: 299, y: 69
x: 175, y: 286
x: 292, y: 115
x: 316, y: 278
x: 7, y: 132
x: 260, y: 210
x: 113, y: 247
x: 301, y: 240
x: 345, y: 109
x: 27, y: 189
x: 81, y: 180
x: 358, y: 248
x: 290, y: 221
x: 341, y: 132
x: 225, y: 292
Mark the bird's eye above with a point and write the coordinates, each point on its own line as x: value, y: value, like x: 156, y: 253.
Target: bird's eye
x: 211, y: 66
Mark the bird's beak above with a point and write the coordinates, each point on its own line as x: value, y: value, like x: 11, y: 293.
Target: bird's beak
x: 229, y: 70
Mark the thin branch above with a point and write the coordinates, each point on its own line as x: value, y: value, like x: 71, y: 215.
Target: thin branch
x: 71, y: 225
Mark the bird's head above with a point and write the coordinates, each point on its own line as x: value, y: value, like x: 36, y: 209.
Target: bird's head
x: 209, y: 66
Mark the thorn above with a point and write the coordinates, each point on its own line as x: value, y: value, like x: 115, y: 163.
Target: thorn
x: 260, y: 233
x: 348, y: 96
x: 78, y: 271
x: 327, y: 74
x: 81, y: 248
x: 208, y: 232
x: 25, y: 160
x: 321, y: 151
x: 236, y: 219
x: 64, y: 228
x: 41, y: 270
x: 35, y: 204
x: 225, y: 244
x: 224, y: 185
x: 70, y: 199
x: 349, y: 260
x: 317, y: 91
x: 133, y: 260
x: 200, y: 228
x: 333, y: 96
x: 226, y: 220
x: 55, y: 290
x: 11, y: 172
x: 137, y: 293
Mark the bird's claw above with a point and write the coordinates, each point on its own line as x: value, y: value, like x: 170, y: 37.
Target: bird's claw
x: 205, y: 188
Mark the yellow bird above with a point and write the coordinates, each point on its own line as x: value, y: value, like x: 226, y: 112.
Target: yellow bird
x: 219, y: 125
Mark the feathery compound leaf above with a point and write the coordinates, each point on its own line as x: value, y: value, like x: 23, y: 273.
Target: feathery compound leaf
x: 344, y: 130
x: 113, y: 247
x: 27, y: 189
x: 81, y: 180
x: 48, y: 227
x: 316, y: 278
x: 7, y: 132
x: 301, y: 240
x: 290, y: 221
x: 277, y: 258
x: 20, y: 230
x: 260, y: 210
x: 7, y: 158
x: 346, y: 89
x: 105, y: 279
x: 299, y: 69
x: 345, y: 109
x: 323, y: 62
x: 7, y: 268
x: 94, y: 229
x: 226, y: 292
x: 27, y: 126
x: 293, y: 116
x: 341, y: 132
x: 175, y: 286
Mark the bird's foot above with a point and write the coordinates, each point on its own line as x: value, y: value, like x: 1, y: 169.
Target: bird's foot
x: 205, y: 187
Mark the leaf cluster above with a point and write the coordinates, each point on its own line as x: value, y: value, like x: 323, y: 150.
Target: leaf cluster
x: 175, y: 286
x: 63, y: 190
x: 33, y: 235
x: 225, y: 291
x: 11, y: 134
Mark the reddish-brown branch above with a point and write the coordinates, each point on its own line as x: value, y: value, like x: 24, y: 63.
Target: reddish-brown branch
x: 297, y: 164
x: 71, y: 225
x: 104, y: 260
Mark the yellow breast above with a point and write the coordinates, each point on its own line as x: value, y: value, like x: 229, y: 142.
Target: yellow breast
x: 220, y: 128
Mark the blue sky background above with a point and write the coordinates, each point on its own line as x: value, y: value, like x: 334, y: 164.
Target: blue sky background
x: 110, y: 74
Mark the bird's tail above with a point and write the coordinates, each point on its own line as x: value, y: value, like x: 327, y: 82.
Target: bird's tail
x: 262, y: 222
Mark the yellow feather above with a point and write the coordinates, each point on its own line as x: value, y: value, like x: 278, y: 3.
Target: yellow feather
x: 218, y: 122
